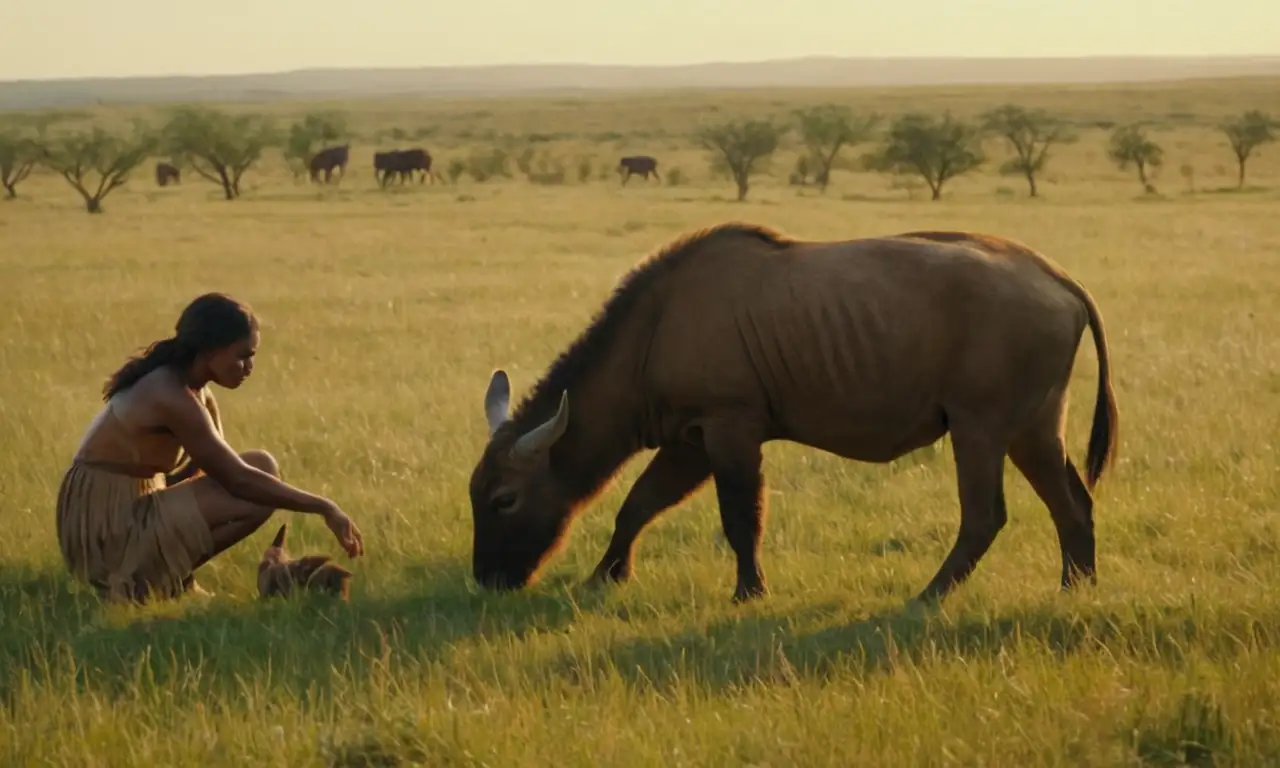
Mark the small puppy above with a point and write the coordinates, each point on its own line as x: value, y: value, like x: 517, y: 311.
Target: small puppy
x: 279, y: 575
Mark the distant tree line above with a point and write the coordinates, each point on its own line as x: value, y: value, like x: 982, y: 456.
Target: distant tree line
x: 221, y: 148
x: 938, y: 149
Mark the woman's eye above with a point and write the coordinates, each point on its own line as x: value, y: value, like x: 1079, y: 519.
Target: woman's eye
x: 504, y: 502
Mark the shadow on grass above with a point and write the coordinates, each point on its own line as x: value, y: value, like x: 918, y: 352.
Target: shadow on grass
x: 54, y: 633
x: 769, y: 649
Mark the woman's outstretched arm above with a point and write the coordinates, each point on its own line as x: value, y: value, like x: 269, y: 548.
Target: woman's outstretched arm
x: 194, y: 426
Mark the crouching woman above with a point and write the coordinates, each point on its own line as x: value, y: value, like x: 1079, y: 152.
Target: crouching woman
x: 129, y: 523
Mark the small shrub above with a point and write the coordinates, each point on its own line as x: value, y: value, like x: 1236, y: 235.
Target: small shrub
x: 675, y: 177
x: 457, y: 166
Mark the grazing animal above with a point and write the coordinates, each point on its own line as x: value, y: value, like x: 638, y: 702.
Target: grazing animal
x: 279, y: 575
x: 867, y: 349
x: 403, y: 162
x: 327, y: 159
x: 166, y: 172
x: 641, y: 164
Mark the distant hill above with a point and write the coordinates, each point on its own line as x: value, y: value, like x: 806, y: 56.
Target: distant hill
x: 818, y: 72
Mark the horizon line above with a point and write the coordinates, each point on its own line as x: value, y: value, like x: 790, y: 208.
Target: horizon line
x: 622, y: 65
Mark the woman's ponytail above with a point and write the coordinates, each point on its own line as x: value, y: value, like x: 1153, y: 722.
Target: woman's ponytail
x: 161, y: 353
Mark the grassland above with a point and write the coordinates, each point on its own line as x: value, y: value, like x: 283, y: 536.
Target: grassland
x: 384, y: 313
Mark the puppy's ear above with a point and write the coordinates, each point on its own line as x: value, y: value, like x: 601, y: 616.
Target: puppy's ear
x: 278, y: 541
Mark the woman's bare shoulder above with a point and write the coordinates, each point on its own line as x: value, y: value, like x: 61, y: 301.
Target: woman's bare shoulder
x: 161, y: 393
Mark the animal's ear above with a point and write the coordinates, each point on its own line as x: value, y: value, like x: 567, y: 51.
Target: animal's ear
x: 278, y: 541
x: 543, y: 436
x: 497, y: 400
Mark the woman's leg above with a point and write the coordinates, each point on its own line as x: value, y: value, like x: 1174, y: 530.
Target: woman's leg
x: 231, y: 520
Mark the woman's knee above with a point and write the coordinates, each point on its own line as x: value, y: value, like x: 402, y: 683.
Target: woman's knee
x: 259, y: 459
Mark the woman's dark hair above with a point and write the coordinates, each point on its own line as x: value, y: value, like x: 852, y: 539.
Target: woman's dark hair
x: 211, y: 321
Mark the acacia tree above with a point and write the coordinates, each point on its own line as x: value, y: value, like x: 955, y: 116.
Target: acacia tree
x: 18, y: 156
x: 1029, y: 134
x: 825, y: 130
x: 1130, y: 146
x: 94, y: 162
x: 935, y: 150
x: 218, y: 146
x: 739, y: 149
x: 315, y: 127
x: 1245, y: 134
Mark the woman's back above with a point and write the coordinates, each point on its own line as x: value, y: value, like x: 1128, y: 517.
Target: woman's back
x: 123, y: 436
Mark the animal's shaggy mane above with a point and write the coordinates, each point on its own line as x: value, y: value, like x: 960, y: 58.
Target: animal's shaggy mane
x: 603, y: 329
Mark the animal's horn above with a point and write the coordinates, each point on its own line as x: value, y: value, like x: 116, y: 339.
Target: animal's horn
x: 497, y: 400
x: 278, y: 541
x: 546, y: 434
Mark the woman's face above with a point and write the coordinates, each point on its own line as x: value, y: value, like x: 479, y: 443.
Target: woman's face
x: 232, y: 364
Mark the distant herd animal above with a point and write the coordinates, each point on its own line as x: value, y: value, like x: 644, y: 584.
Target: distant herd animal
x: 641, y: 164
x: 401, y: 164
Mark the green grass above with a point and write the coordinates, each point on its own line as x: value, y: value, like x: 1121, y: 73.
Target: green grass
x: 384, y: 314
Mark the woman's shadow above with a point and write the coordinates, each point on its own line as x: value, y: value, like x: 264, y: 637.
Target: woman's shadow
x: 50, y: 626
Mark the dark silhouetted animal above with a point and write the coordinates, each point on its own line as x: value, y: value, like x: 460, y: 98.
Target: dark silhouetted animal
x: 641, y: 164
x: 280, y: 576
x: 868, y: 349
x: 403, y: 162
x: 166, y: 172
x: 327, y: 159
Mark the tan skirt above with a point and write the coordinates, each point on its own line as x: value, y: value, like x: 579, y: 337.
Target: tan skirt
x: 130, y: 537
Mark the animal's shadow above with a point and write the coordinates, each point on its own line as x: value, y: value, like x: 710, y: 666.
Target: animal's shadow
x: 51, y: 628
x: 768, y: 648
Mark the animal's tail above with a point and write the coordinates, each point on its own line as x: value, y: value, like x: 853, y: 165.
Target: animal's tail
x: 278, y: 541
x: 1104, y: 434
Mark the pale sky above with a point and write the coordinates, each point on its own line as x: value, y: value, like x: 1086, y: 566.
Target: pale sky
x: 80, y: 38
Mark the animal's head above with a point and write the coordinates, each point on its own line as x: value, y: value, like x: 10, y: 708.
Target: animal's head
x: 519, y: 508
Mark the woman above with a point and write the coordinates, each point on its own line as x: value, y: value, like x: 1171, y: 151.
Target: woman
x: 126, y: 524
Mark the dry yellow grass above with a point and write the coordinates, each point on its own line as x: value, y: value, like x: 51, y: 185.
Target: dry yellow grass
x: 384, y: 313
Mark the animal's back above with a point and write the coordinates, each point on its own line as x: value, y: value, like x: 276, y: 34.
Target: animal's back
x: 857, y: 346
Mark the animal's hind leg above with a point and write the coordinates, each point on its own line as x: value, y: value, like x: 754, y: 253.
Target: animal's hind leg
x: 735, y: 457
x: 674, y: 472
x: 979, y: 470
x: 1041, y: 456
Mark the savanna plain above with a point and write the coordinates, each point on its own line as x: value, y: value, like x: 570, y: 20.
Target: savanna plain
x: 384, y: 312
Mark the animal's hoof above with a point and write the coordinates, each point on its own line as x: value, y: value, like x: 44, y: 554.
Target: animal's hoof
x: 745, y: 594
x: 604, y: 576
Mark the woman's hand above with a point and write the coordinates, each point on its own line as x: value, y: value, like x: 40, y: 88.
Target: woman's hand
x: 346, y: 531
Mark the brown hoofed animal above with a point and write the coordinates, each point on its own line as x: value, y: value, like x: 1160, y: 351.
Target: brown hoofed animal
x: 279, y: 575
x: 402, y: 162
x: 641, y: 164
x: 326, y: 160
x: 166, y: 172
x: 867, y: 349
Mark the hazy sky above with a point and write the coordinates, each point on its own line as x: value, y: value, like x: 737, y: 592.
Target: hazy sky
x: 77, y: 38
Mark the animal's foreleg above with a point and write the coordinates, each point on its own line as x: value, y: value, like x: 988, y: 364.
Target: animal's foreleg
x: 736, y: 458
x: 674, y: 472
x: 979, y: 470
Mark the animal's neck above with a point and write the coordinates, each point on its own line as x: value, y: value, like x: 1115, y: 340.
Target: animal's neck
x: 585, y: 459
x: 605, y: 427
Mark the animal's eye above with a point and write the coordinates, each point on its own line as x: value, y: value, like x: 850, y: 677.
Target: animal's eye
x: 503, y: 502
